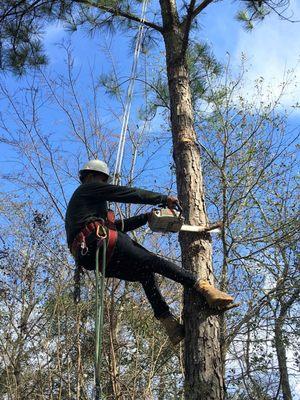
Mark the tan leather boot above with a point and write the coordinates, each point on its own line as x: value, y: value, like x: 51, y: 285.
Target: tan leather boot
x: 214, y: 297
x: 173, y: 328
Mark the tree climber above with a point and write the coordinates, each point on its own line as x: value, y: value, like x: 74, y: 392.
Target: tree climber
x: 88, y: 218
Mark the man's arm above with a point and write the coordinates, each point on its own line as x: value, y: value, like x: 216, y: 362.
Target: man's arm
x: 122, y: 194
x: 130, y: 224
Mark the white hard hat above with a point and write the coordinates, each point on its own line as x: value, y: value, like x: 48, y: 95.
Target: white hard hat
x: 97, y: 166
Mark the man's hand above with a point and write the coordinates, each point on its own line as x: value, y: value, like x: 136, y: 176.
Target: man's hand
x: 172, y: 202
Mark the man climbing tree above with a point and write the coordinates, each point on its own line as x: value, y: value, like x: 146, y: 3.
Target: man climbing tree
x: 88, y: 219
x: 173, y: 23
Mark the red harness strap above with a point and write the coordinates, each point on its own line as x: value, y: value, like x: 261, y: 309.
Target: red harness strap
x: 112, y: 233
x: 110, y: 220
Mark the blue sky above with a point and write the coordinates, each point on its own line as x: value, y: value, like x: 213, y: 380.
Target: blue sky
x: 271, y: 50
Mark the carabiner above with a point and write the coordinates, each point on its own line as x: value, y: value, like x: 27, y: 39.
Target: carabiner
x: 84, y: 248
x: 103, y: 234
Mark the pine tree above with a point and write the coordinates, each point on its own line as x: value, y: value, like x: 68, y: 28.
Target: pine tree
x: 22, y: 23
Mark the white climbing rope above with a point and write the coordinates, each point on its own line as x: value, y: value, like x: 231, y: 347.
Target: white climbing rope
x: 100, y: 285
x: 137, y: 50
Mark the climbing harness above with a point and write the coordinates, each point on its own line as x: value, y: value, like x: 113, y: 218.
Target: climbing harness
x: 98, y: 228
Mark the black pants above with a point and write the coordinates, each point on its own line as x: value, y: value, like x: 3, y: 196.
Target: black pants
x: 132, y: 262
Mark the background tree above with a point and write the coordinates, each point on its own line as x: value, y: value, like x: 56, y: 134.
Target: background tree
x: 250, y: 152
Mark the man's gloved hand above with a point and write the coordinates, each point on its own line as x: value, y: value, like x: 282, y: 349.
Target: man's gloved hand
x: 172, y: 202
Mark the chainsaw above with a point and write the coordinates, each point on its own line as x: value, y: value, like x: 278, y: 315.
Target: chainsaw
x: 171, y: 220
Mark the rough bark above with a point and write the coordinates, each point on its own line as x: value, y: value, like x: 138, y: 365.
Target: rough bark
x: 203, y: 371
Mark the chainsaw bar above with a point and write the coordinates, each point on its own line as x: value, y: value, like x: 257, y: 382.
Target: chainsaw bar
x: 195, y: 228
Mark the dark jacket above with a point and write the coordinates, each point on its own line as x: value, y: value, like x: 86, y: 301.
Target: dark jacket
x: 89, y: 203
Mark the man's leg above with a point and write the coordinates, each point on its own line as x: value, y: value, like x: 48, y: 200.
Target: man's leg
x: 144, y: 262
x: 158, y: 303
x: 161, y: 310
x: 126, y: 265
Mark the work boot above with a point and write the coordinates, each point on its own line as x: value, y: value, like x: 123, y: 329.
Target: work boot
x: 214, y: 297
x: 173, y: 328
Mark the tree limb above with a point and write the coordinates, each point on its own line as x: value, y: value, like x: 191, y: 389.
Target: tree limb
x: 201, y: 7
x: 186, y: 24
x: 119, y: 13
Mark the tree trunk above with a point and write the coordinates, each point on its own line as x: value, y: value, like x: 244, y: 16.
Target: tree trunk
x: 203, y: 366
x: 281, y: 356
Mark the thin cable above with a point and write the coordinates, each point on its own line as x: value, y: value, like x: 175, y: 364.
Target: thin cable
x: 137, y: 50
x: 100, y: 282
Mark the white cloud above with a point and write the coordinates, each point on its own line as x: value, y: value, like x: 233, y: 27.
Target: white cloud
x: 272, y: 50
x: 53, y: 32
x: 297, y: 391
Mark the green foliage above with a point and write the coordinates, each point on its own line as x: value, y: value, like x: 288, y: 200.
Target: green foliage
x: 112, y: 86
x: 21, y: 32
x: 244, y: 17
x: 203, y: 66
x: 257, y: 10
x: 23, y: 25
